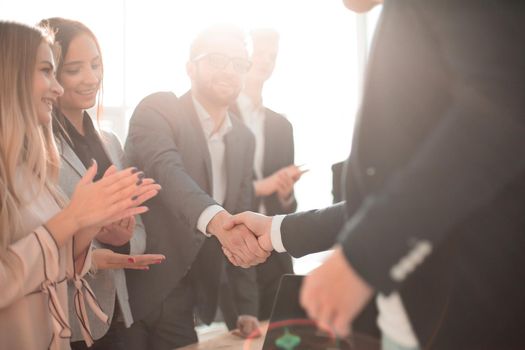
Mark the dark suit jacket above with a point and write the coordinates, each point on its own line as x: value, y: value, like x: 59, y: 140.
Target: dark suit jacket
x: 166, y: 141
x: 435, y: 182
x: 278, y: 153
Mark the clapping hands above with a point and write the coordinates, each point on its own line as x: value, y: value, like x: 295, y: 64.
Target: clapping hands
x: 281, y: 182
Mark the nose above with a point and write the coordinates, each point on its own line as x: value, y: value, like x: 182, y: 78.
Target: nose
x: 229, y: 69
x: 56, y: 88
x: 91, y: 76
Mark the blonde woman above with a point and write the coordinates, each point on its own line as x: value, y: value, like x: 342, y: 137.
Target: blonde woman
x: 43, y: 241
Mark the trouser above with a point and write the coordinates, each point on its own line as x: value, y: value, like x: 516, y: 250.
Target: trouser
x: 170, y: 325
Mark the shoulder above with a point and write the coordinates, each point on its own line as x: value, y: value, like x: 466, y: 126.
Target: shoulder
x: 277, y: 119
x: 159, y: 98
x: 110, y: 139
x: 159, y: 103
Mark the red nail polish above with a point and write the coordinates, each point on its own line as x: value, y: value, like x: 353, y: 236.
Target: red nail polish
x: 131, y: 260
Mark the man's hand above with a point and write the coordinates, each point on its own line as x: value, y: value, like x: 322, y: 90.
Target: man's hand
x: 104, y: 259
x: 333, y: 294
x: 260, y: 225
x: 280, y: 182
x: 238, y: 240
x: 247, y: 326
x: 117, y: 233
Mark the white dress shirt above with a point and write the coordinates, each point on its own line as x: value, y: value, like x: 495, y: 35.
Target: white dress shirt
x: 392, y: 320
x: 216, y: 147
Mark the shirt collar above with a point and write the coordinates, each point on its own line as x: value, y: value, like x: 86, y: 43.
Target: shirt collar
x: 89, y: 128
x: 207, y: 122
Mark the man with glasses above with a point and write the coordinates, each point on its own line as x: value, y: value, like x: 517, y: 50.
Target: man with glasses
x: 203, y: 159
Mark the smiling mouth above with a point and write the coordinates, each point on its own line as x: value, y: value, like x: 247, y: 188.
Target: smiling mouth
x: 49, y: 102
x: 226, y: 85
x: 87, y: 92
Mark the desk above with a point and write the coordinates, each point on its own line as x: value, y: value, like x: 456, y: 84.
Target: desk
x: 228, y: 341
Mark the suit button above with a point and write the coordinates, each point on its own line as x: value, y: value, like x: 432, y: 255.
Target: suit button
x: 370, y: 171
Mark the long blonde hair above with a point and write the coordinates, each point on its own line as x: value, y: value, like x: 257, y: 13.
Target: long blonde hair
x: 25, y: 144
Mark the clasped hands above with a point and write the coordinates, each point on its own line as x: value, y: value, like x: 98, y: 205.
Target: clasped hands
x: 243, y: 240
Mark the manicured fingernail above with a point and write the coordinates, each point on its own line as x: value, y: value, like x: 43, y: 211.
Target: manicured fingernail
x: 141, y: 175
x: 134, y: 170
x: 134, y: 198
x: 158, y: 262
x: 93, y: 161
x: 139, y: 182
x: 131, y: 260
x: 145, y: 268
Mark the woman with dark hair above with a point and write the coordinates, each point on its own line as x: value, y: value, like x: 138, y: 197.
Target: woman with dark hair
x: 120, y: 244
x: 44, y: 240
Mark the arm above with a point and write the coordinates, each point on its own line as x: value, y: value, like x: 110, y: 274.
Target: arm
x: 181, y: 195
x: 27, y: 263
x: 472, y: 154
x: 279, y: 202
x: 312, y: 231
x: 162, y: 160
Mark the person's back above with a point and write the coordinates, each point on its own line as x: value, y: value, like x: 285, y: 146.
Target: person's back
x: 438, y: 141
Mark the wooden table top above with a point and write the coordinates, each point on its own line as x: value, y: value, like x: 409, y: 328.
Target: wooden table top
x: 229, y: 341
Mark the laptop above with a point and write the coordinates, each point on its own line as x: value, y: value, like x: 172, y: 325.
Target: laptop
x: 290, y: 328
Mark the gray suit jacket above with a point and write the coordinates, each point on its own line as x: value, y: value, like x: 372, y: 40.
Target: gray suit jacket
x: 166, y: 141
x: 105, y: 283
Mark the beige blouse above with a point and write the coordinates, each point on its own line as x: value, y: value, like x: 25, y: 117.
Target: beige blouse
x: 33, y: 274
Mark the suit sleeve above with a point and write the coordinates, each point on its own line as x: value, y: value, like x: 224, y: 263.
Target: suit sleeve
x: 471, y: 155
x: 151, y: 147
x: 312, y: 231
x: 273, y: 202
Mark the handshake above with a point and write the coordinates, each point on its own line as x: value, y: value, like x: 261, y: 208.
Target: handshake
x: 245, y: 237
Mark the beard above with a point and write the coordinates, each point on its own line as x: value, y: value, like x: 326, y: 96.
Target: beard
x: 220, y: 90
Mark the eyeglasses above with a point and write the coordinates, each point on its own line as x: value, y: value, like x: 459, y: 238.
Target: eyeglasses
x: 220, y: 61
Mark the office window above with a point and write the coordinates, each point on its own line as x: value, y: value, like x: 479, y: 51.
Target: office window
x: 316, y: 83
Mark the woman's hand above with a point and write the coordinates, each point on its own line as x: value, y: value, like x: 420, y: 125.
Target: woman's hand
x: 117, y: 233
x: 116, y: 196
x: 104, y: 259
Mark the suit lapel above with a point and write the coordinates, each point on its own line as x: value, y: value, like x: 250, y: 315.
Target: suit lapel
x: 69, y: 157
x: 189, y: 109
x: 268, y: 154
x: 111, y: 147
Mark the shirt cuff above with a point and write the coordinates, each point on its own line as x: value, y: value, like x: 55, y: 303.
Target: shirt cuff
x: 275, y: 234
x: 206, y: 216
